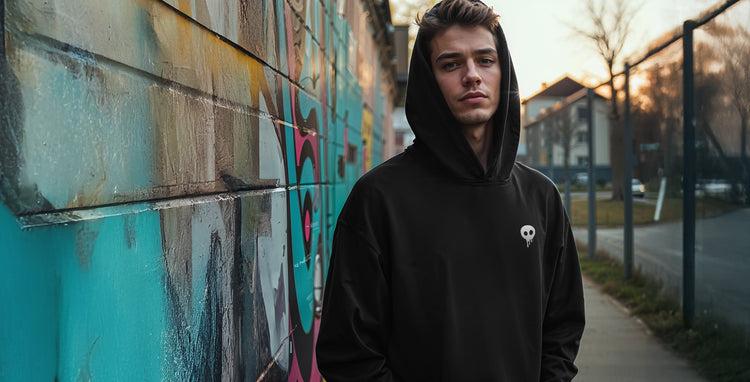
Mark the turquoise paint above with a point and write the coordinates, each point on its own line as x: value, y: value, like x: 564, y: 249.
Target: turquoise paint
x: 112, y: 308
x: 303, y: 264
x: 307, y: 105
x: 98, y: 297
x: 29, y: 293
x: 340, y: 187
x: 377, y: 134
x: 308, y: 172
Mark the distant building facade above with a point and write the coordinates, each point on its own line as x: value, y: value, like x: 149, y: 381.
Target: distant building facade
x: 557, y: 113
x: 403, y: 137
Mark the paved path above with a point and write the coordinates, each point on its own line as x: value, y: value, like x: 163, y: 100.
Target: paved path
x: 618, y: 348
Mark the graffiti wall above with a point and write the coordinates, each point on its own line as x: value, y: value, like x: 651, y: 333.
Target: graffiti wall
x: 170, y: 176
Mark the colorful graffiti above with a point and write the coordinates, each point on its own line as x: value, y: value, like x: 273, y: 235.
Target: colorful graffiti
x: 170, y: 176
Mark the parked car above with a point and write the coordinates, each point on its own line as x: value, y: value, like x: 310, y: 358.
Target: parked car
x: 581, y: 178
x: 715, y: 187
x: 637, y: 188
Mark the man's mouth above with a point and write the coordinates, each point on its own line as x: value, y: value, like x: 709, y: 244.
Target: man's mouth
x: 473, y: 97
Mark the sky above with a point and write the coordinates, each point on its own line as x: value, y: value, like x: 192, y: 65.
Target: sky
x: 545, y: 50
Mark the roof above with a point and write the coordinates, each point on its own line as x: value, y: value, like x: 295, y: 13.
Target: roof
x: 563, y: 88
x: 573, y: 98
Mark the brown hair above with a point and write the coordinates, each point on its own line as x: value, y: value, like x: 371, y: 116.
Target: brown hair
x: 455, y: 12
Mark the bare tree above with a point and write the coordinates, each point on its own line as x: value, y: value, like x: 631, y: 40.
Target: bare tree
x: 734, y: 58
x: 404, y: 12
x: 564, y: 126
x: 607, y: 28
x: 722, y: 75
x: 666, y: 103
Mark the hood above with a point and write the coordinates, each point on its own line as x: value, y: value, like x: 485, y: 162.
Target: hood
x: 435, y: 127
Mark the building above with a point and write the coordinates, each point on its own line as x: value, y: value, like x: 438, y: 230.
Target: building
x: 557, y: 115
x: 403, y: 136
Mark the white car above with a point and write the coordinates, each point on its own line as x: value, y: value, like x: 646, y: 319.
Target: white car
x: 716, y: 187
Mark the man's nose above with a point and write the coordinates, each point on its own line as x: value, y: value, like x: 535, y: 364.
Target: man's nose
x: 471, y: 77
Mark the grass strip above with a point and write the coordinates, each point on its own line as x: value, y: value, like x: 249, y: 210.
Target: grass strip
x: 609, y: 213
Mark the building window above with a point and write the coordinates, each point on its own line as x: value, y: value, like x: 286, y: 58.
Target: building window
x: 582, y: 114
x: 582, y: 160
x: 582, y: 137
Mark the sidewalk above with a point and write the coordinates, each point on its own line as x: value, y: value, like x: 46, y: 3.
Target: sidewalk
x: 618, y: 348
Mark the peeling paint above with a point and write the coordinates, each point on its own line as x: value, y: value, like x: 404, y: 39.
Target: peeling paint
x: 86, y: 236
x: 189, y: 155
x: 84, y: 372
x: 129, y: 231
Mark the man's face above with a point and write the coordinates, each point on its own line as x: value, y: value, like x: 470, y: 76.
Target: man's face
x: 466, y: 66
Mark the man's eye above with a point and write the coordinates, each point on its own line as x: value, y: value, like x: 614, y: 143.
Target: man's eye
x: 449, y: 65
x: 487, y: 61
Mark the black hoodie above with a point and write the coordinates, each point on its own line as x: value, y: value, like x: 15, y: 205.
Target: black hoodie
x: 444, y: 271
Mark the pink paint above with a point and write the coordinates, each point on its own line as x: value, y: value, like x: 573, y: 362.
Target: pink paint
x: 364, y: 160
x: 299, y: 140
x: 307, y: 226
x: 315, y: 375
x: 294, y: 374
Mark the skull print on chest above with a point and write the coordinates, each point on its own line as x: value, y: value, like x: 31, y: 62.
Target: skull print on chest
x: 528, y: 232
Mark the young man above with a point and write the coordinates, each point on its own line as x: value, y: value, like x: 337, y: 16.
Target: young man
x: 452, y: 262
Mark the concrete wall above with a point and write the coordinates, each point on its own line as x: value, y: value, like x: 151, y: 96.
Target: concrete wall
x: 170, y: 176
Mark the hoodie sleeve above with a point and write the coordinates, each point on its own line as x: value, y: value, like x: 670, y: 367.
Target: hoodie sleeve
x: 564, y: 319
x: 355, y: 323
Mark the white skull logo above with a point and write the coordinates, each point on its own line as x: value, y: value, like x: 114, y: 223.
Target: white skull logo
x: 528, y: 233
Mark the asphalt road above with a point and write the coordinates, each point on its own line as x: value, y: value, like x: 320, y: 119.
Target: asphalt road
x: 722, y: 260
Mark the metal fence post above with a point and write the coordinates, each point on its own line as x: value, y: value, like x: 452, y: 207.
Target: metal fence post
x: 2, y: 28
x: 628, y: 142
x: 688, y: 184
x: 592, y: 172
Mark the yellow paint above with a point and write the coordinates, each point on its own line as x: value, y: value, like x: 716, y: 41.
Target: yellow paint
x: 199, y: 59
x: 367, y: 139
x: 184, y: 6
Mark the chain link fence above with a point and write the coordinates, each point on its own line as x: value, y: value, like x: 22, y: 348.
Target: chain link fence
x: 685, y: 112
